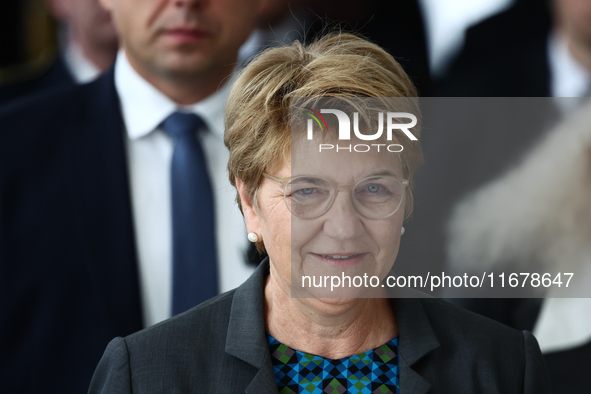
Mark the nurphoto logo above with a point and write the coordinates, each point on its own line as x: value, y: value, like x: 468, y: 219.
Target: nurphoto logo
x: 344, y: 122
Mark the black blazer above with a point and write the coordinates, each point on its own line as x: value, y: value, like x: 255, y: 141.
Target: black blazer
x: 570, y: 367
x: 503, y: 56
x: 68, y: 276
x: 220, y: 347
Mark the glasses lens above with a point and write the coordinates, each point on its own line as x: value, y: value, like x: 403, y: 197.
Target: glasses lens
x: 308, y: 197
x: 378, y: 197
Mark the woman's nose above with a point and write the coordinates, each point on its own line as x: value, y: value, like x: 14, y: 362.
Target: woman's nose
x: 342, y: 221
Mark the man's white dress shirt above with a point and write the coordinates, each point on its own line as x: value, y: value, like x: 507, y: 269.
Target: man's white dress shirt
x: 564, y: 323
x: 79, y: 66
x: 446, y: 22
x: 568, y: 78
x: 149, y: 151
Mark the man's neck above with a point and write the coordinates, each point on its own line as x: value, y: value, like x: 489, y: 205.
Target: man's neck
x: 581, y: 52
x: 578, y: 47
x: 101, y: 56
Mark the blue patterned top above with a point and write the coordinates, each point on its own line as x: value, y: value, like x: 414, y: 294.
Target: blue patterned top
x: 375, y: 371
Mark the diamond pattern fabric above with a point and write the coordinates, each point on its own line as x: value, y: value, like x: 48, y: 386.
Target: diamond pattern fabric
x: 372, y: 372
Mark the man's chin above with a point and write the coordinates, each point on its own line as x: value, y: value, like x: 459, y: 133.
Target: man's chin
x: 189, y: 65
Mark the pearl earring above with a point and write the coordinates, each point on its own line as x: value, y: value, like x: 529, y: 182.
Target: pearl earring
x: 402, y: 231
x: 252, y: 237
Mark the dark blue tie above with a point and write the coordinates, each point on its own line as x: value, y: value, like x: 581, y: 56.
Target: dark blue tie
x: 194, y: 262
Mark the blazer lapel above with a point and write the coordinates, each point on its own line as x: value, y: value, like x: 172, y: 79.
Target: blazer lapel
x: 101, y: 193
x: 410, y: 380
x: 416, y: 340
x: 264, y: 381
x: 246, y: 339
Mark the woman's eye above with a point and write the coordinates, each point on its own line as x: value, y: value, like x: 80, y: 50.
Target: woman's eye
x: 306, y: 191
x: 374, y: 188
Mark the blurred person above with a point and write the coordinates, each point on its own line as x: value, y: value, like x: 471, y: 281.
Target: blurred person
x: 537, y: 217
x: 381, y: 21
x: 446, y: 23
x: 115, y: 209
x: 522, y: 52
x: 259, y: 337
x: 88, y: 46
x: 570, y: 49
x: 533, y: 49
x: 280, y: 22
x: 503, y: 57
x: 89, y: 37
x: 397, y: 26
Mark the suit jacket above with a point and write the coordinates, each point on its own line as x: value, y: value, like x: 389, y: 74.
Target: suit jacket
x: 397, y: 26
x: 502, y: 56
x: 57, y: 74
x: 68, y: 264
x: 569, y: 366
x: 220, y: 347
x: 68, y: 275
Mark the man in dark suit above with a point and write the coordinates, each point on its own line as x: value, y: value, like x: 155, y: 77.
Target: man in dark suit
x: 86, y: 222
x: 502, y: 56
x: 88, y: 46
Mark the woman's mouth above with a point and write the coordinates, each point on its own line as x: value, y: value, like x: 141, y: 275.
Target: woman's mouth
x: 340, y: 260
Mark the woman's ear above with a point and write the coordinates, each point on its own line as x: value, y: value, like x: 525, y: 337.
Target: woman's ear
x: 251, y: 217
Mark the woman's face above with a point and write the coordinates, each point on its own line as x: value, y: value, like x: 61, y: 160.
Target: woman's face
x: 339, y: 242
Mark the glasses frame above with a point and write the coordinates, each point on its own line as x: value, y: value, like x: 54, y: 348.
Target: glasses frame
x: 337, y: 188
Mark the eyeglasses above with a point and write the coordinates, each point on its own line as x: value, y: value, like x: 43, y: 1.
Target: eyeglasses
x: 310, y: 196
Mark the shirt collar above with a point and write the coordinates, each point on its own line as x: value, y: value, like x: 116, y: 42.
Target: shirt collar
x: 569, y: 77
x: 82, y: 69
x: 144, y: 107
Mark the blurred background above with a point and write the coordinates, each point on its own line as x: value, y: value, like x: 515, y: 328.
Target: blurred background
x: 29, y: 39
x: 425, y: 35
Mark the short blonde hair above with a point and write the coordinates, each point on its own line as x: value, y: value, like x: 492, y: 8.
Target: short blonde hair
x: 258, y: 132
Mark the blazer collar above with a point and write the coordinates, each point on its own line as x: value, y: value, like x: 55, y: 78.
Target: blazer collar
x: 416, y: 340
x: 247, y: 341
x: 246, y: 338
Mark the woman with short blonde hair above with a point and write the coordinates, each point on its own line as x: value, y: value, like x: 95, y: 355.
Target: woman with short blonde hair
x: 317, y: 212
